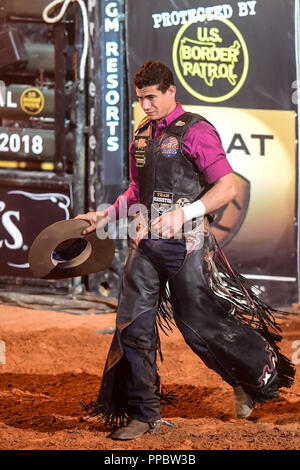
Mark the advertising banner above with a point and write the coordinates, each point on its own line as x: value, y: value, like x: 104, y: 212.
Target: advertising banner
x: 24, y: 213
x: 235, y: 64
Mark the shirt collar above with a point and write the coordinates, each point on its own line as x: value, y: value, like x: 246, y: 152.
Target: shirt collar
x: 165, y: 122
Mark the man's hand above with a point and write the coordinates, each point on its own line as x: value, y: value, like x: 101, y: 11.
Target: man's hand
x: 96, y: 219
x: 169, y: 223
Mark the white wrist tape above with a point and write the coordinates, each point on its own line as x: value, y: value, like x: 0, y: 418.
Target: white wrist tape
x: 194, y: 210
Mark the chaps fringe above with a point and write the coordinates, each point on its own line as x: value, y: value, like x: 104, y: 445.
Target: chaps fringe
x: 105, y: 415
x: 247, y: 307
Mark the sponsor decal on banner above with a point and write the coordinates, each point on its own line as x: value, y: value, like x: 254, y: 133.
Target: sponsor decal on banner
x: 110, y: 90
x: 16, y: 141
x: 32, y: 101
x: 211, y: 59
x: 23, y: 215
x: 6, y: 98
x: 169, y: 147
x: 229, y: 219
x: 220, y: 53
x: 260, y: 146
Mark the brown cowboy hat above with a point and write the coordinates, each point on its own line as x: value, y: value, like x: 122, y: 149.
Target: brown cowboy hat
x: 61, y: 251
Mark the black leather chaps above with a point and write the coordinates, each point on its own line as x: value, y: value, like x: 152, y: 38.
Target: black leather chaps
x: 238, y: 351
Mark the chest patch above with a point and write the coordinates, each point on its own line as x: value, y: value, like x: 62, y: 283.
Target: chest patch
x: 141, y: 143
x: 169, y: 147
x: 162, y: 201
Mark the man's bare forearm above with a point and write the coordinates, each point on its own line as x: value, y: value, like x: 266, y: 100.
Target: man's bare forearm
x: 223, y: 191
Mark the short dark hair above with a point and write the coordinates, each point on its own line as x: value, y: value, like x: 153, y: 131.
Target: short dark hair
x: 154, y: 73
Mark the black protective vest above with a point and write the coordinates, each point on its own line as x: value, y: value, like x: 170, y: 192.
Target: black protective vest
x: 168, y: 179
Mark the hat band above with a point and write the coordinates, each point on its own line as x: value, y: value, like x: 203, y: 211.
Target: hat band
x: 71, y: 253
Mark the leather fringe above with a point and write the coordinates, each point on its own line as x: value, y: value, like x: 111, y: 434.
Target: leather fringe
x: 246, y: 305
x: 121, y: 418
x: 230, y: 285
x: 168, y: 398
x: 164, y: 318
x: 109, y: 418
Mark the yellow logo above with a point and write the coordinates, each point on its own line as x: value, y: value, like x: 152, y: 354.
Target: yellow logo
x: 32, y: 101
x: 210, y: 59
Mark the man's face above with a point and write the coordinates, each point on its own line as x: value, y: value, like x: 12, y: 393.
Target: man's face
x: 156, y: 104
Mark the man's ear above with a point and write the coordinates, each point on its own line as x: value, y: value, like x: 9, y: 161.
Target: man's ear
x: 172, y: 90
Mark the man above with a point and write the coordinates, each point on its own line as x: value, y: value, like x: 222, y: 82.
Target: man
x: 180, y: 174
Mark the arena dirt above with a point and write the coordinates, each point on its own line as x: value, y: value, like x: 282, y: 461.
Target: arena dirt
x: 54, y: 360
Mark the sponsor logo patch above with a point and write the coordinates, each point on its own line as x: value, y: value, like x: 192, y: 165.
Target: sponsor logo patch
x: 180, y: 123
x: 141, y: 143
x: 169, y: 147
x: 183, y: 201
x: 162, y: 201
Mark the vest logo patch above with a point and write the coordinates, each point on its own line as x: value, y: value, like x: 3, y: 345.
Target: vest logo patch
x: 141, y: 143
x: 169, y: 147
x: 183, y: 201
x: 162, y: 201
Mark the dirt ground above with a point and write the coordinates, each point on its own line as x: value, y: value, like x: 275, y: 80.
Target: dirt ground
x: 54, y: 360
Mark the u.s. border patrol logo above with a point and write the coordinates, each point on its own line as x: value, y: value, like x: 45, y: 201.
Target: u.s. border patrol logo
x: 32, y: 101
x: 210, y: 58
x: 169, y: 147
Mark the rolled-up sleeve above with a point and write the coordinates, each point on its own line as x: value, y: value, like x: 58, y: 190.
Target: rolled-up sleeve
x: 203, y: 145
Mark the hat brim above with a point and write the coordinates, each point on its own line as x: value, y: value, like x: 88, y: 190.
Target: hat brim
x: 97, y: 255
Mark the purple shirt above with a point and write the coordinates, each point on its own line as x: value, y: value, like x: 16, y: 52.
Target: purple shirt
x: 201, y: 144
